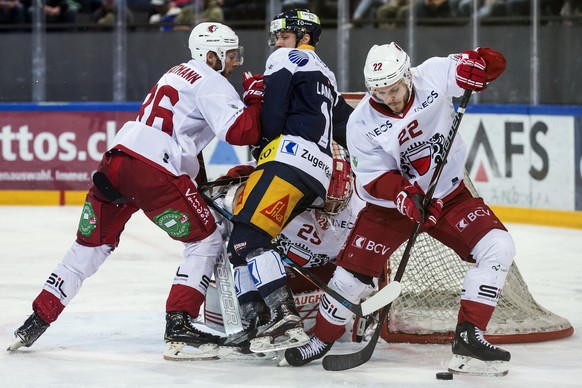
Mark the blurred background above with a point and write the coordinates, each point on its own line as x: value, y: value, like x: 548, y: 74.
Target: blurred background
x: 115, y: 50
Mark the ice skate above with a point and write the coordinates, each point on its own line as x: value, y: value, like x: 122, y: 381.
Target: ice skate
x: 313, y: 350
x: 283, y: 331
x: 186, y: 342
x: 473, y: 355
x: 237, y: 346
x: 29, y: 332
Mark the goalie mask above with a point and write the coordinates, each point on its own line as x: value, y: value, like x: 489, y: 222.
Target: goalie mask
x: 340, y: 187
x: 386, y: 65
x: 300, y: 22
x: 214, y: 37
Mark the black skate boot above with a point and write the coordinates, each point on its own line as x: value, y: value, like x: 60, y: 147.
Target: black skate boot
x: 284, y: 330
x: 237, y: 345
x: 473, y: 354
x: 29, y: 332
x: 313, y: 350
x: 180, y: 333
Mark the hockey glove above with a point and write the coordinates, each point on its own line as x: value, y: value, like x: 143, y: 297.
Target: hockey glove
x: 494, y: 63
x: 409, y: 203
x: 471, y: 71
x: 238, y: 171
x: 254, y: 87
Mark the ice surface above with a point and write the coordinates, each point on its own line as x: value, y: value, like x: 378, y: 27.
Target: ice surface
x: 111, y: 334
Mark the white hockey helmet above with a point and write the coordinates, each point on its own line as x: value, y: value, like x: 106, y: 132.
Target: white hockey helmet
x: 215, y: 37
x: 386, y: 65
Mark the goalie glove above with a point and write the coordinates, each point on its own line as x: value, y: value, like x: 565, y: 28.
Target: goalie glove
x: 254, y: 87
x: 409, y: 203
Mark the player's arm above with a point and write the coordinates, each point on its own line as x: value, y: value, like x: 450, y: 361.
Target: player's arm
x: 341, y: 113
x: 246, y: 129
x: 276, y: 103
x: 228, y: 116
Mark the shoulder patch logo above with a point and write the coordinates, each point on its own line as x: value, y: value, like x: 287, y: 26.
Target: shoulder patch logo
x: 298, y: 57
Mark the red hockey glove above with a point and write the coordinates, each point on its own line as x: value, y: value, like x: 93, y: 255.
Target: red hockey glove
x: 434, y: 211
x: 409, y: 203
x: 254, y: 87
x: 238, y: 171
x: 494, y: 63
x: 471, y: 71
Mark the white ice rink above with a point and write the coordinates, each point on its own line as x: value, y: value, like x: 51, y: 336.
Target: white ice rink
x: 111, y: 334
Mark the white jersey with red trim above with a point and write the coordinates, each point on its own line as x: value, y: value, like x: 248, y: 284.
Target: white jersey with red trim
x: 309, y: 243
x: 181, y: 114
x: 412, y: 142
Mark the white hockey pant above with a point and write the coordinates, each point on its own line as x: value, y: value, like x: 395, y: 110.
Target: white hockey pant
x: 348, y: 286
x: 200, y: 257
x: 494, y: 254
x: 79, y: 263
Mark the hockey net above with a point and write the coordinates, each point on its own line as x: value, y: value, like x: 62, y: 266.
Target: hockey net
x: 426, y: 311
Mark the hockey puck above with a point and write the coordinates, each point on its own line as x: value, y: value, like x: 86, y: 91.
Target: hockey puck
x: 444, y: 376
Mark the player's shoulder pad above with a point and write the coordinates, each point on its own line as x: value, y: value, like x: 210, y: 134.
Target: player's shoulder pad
x: 288, y: 58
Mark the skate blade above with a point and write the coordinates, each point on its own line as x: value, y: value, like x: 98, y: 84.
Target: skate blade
x: 293, y: 338
x: 474, y: 367
x: 235, y: 353
x: 16, y: 345
x: 176, y: 352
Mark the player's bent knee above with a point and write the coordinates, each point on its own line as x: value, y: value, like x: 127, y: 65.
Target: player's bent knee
x: 497, y: 246
x: 348, y: 285
x: 210, y: 246
x: 84, y: 261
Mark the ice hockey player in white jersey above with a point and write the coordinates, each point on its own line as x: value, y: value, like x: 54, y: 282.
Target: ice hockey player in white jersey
x: 395, y: 138
x: 152, y: 167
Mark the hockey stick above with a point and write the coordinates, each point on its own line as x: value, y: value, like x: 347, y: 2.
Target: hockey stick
x: 338, y: 362
x: 374, y: 303
x: 221, y: 182
x: 229, y: 306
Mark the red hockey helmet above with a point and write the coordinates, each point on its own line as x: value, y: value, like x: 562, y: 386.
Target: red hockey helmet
x: 340, y: 187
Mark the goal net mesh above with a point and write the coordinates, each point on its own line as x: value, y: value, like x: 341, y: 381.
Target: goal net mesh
x: 427, y: 309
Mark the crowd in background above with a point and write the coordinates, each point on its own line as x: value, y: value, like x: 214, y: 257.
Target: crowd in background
x: 17, y: 15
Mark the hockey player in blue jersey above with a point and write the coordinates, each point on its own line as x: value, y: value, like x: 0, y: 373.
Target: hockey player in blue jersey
x: 301, y: 107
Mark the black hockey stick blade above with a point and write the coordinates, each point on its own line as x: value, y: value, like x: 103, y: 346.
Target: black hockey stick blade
x: 338, y: 362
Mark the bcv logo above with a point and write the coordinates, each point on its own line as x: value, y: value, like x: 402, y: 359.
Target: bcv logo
x: 364, y: 243
x: 466, y: 221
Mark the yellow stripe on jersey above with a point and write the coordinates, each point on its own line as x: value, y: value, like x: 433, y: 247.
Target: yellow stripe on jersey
x: 270, y: 151
x: 248, y: 187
